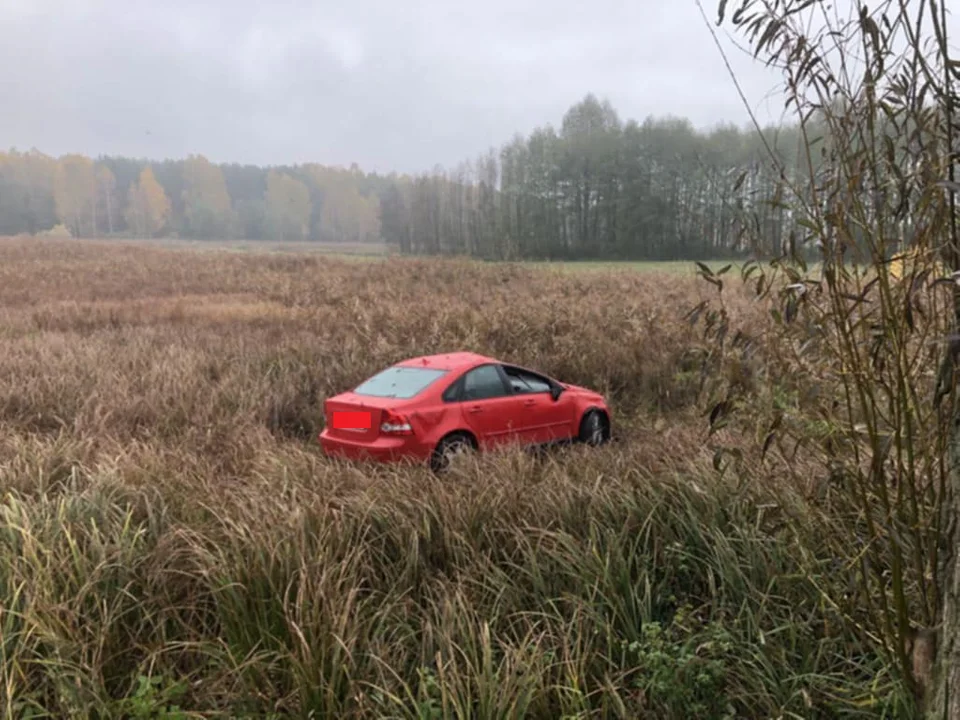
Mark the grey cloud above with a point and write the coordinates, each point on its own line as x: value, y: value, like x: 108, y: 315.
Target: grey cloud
x: 389, y: 85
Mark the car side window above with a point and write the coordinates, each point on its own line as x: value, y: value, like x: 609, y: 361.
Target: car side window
x: 482, y: 383
x: 454, y: 392
x: 524, y: 383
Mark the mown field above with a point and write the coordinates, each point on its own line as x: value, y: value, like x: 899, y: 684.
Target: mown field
x: 174, y: 544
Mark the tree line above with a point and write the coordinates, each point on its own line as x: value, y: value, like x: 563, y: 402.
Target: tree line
x: 596, y: 187
x: 195, y: 198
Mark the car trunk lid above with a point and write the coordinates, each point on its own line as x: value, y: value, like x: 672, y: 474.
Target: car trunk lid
x: 356, y: 417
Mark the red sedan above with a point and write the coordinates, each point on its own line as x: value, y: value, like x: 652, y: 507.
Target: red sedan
x: 434, y: 407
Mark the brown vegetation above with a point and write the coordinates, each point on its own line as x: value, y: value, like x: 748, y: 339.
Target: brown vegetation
x: 167, y: 515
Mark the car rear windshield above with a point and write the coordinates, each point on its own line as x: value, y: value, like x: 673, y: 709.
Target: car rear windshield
x: 399, y: 382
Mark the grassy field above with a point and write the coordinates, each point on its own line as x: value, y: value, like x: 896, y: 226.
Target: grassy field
x: 374, y: 251
x: 678, y: 267
x: 344, y: 250
x: 173, y: 543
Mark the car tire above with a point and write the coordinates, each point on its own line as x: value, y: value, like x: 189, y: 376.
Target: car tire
x: 448, y: 448
x: 594, y: 428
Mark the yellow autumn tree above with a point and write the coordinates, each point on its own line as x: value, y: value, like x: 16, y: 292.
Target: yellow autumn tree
x: 346, y: 215
x: 148, y: 207
x: 75, y: 194
x: 26, y: 192
x: 288, y: 207
x: 207, y: 207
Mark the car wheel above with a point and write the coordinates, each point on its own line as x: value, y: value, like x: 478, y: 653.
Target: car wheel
x: 449, y: 450
x: 594, y: 428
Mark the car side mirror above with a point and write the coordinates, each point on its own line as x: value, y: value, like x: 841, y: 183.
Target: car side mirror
x: 555, y: 392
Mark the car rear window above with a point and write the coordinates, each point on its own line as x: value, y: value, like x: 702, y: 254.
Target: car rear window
x: 399, y: 382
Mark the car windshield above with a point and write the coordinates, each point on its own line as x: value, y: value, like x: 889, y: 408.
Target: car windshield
x: 399, y: 382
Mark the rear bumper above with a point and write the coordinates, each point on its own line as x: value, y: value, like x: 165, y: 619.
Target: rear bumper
x: 382, y: 449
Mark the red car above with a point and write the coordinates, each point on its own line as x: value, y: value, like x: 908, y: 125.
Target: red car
x: 431, y: 408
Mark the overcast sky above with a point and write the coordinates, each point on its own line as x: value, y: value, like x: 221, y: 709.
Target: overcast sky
x: 389, y: 84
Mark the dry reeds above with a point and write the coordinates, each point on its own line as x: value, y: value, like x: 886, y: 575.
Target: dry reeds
x: 172, y: 540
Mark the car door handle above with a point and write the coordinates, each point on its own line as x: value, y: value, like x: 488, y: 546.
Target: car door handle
x: 475, y: 409
x: 529, y: 403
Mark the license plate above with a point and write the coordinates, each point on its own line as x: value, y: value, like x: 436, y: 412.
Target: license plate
x: 352, y: 421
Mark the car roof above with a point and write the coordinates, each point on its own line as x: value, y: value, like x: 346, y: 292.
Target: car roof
x: 448, y: 361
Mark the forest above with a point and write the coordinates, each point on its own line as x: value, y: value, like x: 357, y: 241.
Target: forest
x: 596, y: 187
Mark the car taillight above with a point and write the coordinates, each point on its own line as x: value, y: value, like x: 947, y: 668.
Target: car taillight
x: 393, y: 424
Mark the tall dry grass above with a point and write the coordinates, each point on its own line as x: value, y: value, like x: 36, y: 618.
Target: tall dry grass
x: 173, y: 538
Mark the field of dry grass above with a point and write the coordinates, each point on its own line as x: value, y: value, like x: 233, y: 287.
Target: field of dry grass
x: 174, y: 544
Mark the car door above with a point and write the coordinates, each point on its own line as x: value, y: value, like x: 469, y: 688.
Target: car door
x: 489, y: 409
x: 542, y: 419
